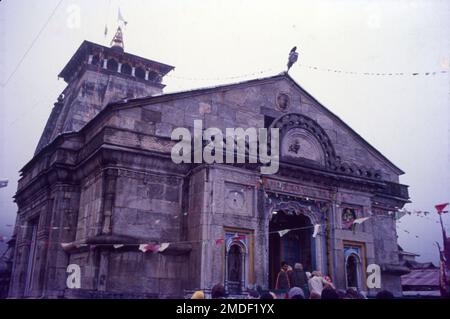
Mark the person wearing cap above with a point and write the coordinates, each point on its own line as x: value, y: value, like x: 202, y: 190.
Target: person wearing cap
x: 198, y: 295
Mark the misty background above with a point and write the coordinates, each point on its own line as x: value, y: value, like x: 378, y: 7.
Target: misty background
x: 406, y: 117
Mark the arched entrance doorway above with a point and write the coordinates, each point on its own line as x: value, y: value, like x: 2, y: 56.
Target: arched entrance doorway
x: 235, y: 267
x: 353, y: 271
x: 236, y: 264
x: 293, y: 246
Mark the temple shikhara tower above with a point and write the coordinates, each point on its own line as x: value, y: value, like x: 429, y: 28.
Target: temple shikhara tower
x: 102, y: 192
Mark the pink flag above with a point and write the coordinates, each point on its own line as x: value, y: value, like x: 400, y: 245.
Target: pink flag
x: 144, y: 247
x: 440, y: 208
x: 149, y: 247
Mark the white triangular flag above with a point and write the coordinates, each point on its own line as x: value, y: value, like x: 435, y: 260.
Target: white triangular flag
x: 143, y: 247
x: 316, y: 230
x: 360, y: 220
x: 163, y: 247
x: 120, y: 17
x: 118, y: 246
x: 283, y: 232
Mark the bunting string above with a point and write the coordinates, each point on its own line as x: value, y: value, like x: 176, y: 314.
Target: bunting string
x: 314, y: 68
x: 332, y: 70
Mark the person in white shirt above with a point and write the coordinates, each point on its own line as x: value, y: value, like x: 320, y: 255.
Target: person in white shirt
x: 316, y: 284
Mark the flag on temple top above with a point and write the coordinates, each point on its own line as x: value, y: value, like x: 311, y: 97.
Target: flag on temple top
x: 120, y: 18
x: 440, y: 208
x: 116, y: 246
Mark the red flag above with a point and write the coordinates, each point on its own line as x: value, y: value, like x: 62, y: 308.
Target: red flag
x: 219, y: 241
x: 440, y: 208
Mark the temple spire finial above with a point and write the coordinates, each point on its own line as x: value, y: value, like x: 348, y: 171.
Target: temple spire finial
x: 117, y: 41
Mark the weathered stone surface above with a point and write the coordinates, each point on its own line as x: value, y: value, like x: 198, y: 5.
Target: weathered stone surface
x: 115, y: 178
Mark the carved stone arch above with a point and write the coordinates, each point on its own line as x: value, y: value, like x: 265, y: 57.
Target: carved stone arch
x: 296, y: 208
x: 353, y: 270
x: 126, y: 68
x: 112, y: 64
x: 236, y: 266
x: 309, y: 130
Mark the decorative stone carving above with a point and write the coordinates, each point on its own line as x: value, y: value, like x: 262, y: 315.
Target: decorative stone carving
x: 235, y: 200
x: 283, y: 101
x: 303, y: 138
x: 300, y: 144
x: 238, y: 199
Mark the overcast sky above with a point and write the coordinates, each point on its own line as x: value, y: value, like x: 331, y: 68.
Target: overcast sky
x: 211, y: 42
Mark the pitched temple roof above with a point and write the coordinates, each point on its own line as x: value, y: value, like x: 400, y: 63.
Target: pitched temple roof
x: 206, y: 90
x: 284, y: 75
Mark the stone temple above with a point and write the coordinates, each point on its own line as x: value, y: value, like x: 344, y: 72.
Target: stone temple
x: 102, y: 183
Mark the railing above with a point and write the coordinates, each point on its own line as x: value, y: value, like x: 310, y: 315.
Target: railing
x: 397, y: 190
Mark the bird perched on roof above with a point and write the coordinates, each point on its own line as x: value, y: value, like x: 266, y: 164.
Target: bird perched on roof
x: 293, y: 56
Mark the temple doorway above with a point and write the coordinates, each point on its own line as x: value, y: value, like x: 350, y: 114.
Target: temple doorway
x: 293, y: 246
x: 352, y: 270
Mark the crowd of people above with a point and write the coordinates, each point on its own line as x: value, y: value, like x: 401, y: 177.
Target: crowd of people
x: 296, y: 283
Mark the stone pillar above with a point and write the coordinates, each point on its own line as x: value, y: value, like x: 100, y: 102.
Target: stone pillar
x: 119, y: 67
x: 337, y: 247
x: 133, y: 71
x: 105, y: 63
x: 90, y: 59
x: 18, y: 275
x: 110, y: 180
x: 146, y: 75
x: 63, y: 226
x: 103, y: 270
x: 265, y: 210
